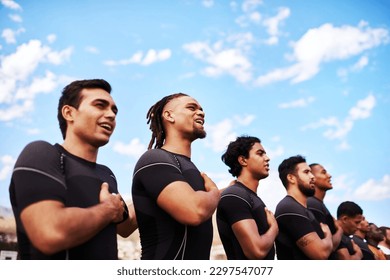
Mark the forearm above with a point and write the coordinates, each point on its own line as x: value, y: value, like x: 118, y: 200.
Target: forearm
x: 206, y: 203
x: 53, y: 228
x: 75, y: 226
x: 262, y: 246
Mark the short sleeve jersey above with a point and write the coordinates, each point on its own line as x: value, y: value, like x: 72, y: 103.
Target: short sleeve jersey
x: 367, y: 253
x: 47, y: 172
x: 322, y: 214
x: 239, y: 203
x: 162, y: 237
x: 346, y: 243
x: 294, y: 221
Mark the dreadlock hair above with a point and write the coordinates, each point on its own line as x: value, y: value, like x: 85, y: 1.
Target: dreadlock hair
x: 154, y: 117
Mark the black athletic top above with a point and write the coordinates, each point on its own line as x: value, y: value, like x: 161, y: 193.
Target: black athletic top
x: 162, y: 237
x: 322, y: 214
x: 294, y: 221
x: 367, y: 253
x: 47, y: 172
x: 346, y: 243
x: 239, y: 203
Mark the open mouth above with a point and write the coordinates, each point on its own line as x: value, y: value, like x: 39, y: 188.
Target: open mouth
x: 106, y: 126
x: 199, y: 121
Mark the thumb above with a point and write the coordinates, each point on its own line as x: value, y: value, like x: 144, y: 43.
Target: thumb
x: 104, y: 187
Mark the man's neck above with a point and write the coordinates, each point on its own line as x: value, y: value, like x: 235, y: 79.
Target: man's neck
x: 250, y: 183
x: 360, y: 234
x: 176, y: 146
x: 81, y: 150
x: 320, y: 194
x: 298, y: 196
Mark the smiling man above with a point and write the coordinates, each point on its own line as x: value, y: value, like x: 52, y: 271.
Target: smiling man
x: 301, y: 236
x: 60, y: 196
x: 174, y: 202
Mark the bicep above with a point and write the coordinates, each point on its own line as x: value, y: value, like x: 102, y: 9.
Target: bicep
x: 41, y: 218
x: 311, y: 245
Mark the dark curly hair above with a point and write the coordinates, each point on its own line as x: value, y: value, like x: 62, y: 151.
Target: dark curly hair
x: 240, y: 147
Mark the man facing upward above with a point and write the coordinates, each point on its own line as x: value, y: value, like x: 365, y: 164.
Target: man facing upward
x: 316, y: 204
x: 301, y: 236
x: 60, y: 196
x: 174, y: 202
x: 247, y: 229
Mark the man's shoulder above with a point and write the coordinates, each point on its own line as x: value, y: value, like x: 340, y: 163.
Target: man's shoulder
x: 154, y: 157
x: 288, y: 205
x: 38, y: 151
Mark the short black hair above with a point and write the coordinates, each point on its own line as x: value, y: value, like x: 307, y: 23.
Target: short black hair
x: 71, y: 96
x: 349, y: 209
x: 288, y: 166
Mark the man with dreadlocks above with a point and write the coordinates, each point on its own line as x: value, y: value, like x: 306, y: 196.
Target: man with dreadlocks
x: 174, y: 202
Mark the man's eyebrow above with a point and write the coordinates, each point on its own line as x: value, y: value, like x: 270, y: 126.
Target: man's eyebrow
x: 261, y: 150
x: 195, y: 104
x: 106, y: 102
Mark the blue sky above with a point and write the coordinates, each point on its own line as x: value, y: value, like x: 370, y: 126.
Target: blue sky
x: 306, y: 77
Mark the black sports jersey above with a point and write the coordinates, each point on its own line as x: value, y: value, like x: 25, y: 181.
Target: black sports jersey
x: 367, y: 253
x: 322, y: 214
x: 239, y: 203
x: 47, y: 172
x: 294, y: 221
x: 347, y: 244
x: 162, y: 237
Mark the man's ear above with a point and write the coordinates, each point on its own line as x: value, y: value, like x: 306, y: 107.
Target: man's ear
x: 168, y: 116
x: 67, y: 112
x: 291, y: 178
x: 242, y: 161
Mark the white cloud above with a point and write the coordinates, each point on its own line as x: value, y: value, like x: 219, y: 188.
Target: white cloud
x: 299, y: 103
x: 9, y: 35
x: 16, y: 18
x: 339, y: 129
x: 276, y: 152
x: 250, y: 5
x: 374, y: 190
x: 134, y: 149
x: 57, y: 58
x: 18, y: 87
x: 92, y: 49
x: 152, y: 56
x: 221, y: 134
x: 7, y: 163
x: 324, y: 44
x: 208, y: 3
x: 358, y: 66
x: 273, y: 23
x: 271, y: 190
x: 38, y: 85
x: 230, y: 60
x: 11, y: 4
x: 363, y: 62
x: 51, y: 38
